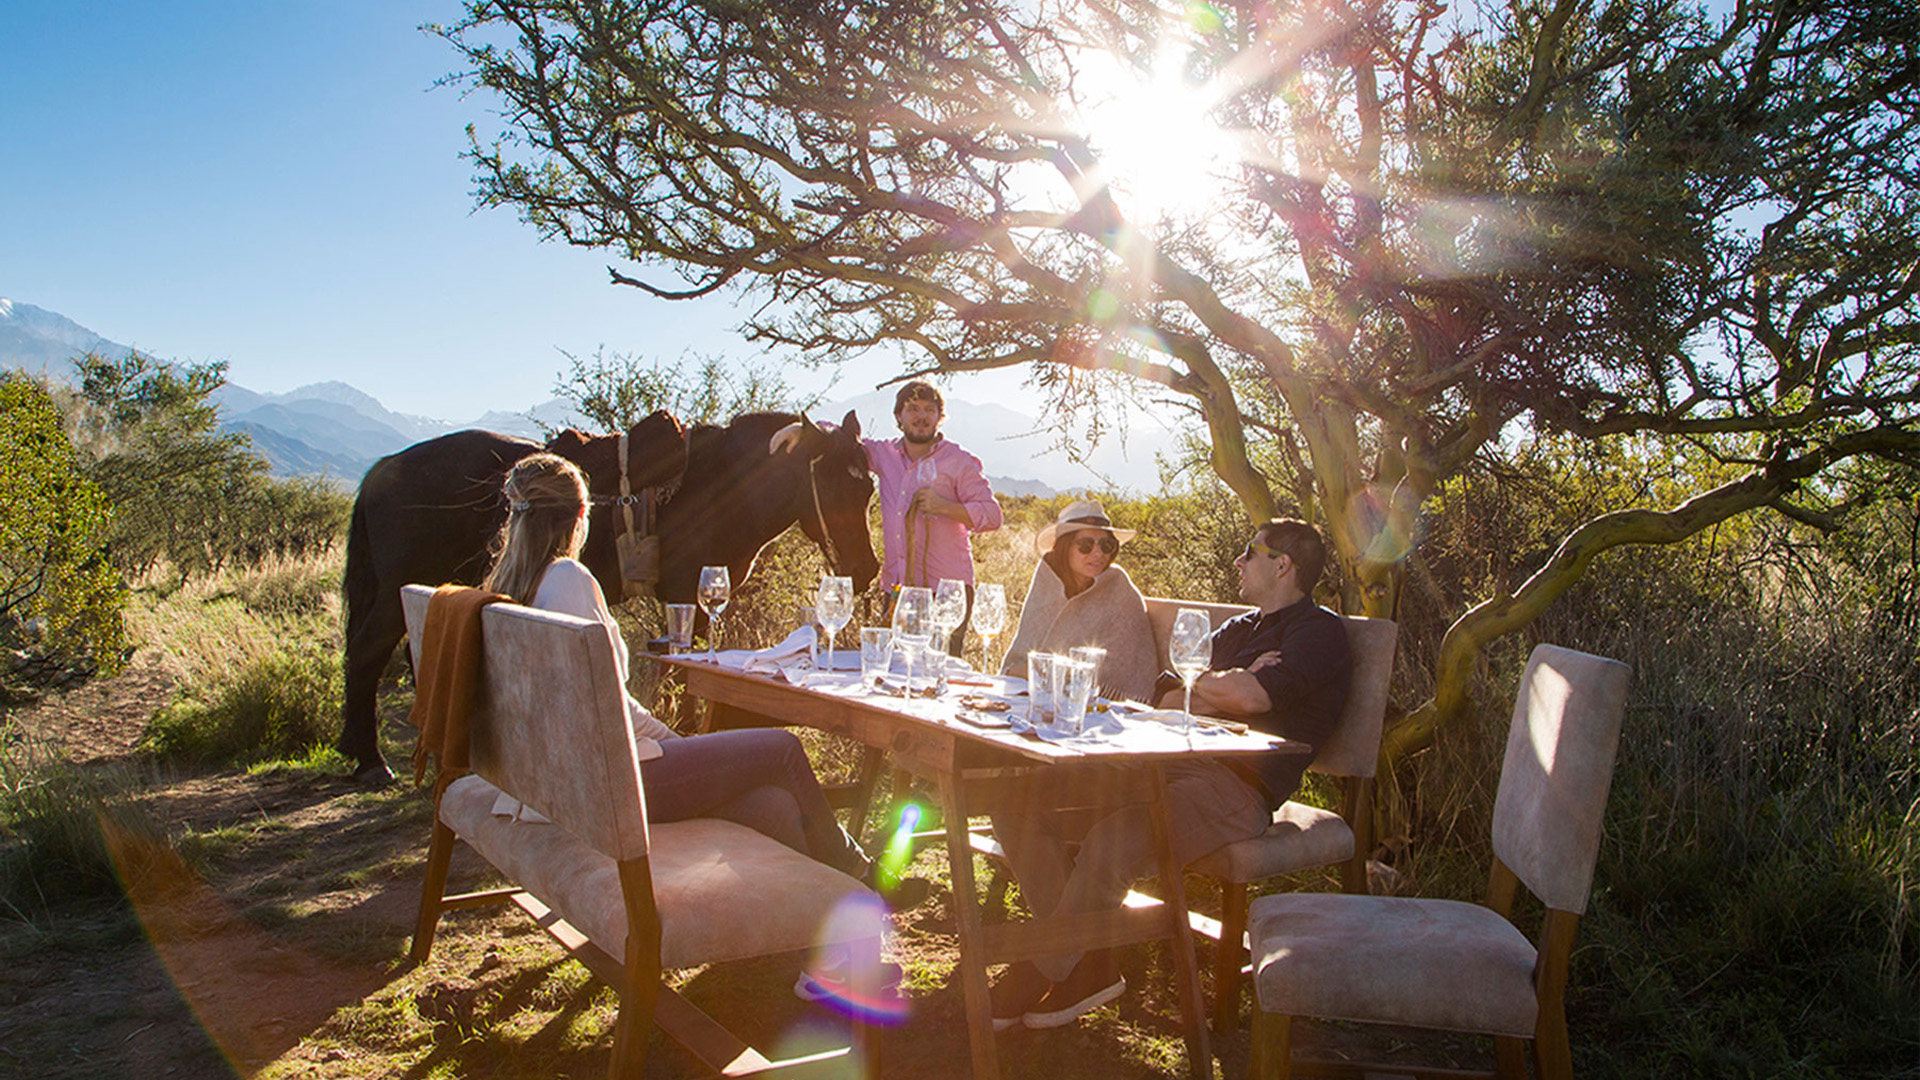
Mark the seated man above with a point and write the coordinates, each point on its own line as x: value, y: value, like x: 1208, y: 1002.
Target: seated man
x: 1283, y: 669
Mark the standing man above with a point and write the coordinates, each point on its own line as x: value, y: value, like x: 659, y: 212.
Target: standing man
x: 933, y: 498
x: 1284, y: 670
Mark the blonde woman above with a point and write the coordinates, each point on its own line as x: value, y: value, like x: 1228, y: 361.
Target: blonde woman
x: 759, y: 777
x: 1080, y: 596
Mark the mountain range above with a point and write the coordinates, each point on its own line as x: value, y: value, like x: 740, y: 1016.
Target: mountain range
x: 334, y: 430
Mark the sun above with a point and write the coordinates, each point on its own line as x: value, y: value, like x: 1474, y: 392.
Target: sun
x: 1161, y: 152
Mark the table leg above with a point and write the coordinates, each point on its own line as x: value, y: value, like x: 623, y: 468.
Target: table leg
x: 966, y: 906
x: 1186, y: 968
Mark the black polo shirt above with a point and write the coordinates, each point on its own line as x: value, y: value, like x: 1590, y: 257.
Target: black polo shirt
x: 1308, y: 687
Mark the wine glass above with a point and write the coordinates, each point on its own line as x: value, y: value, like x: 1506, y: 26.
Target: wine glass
x: 912, y: 623
x: 1191, y: 650
x: 833, y: 606
x: 989, y: 619
x: 949, y: 608
x: 715, y: 587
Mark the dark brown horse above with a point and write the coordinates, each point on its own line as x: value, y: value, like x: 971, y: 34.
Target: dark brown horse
x: 738, y: 496
x: 427, y: 513
x: 735, y: 497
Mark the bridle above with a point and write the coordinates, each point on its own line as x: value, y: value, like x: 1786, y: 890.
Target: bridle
x: 820, y: 515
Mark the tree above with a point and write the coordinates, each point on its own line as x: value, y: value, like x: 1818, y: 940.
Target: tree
x: 60, y: 599
x: 613, y: 391
x: 1368, y: 246
x: 179, y: 489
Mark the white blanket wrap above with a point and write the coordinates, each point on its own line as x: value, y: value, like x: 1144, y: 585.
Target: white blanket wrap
x: 1110, y: 614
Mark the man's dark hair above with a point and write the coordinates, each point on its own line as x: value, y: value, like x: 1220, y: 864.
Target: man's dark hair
x: 1302, y: 543
x: 918, y: 390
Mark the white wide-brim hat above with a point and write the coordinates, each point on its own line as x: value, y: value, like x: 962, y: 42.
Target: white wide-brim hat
x: 1086, y: 514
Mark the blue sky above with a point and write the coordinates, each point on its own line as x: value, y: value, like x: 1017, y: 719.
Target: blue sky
x: 278, y: 184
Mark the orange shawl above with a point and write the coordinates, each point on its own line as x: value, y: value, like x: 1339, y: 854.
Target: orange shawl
x: 448, y: 676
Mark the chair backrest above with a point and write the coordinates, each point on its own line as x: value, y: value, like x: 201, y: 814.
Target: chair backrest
x: 1558, y: 769
x: 1353, y: 749
x: 549, y: 725
x: 1162, y: 609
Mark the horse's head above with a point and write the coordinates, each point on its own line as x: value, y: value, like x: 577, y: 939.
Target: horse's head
x: 839, y: 486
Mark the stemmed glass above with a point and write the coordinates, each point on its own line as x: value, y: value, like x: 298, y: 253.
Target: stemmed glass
x: 912, y: 626
x: 1190, y: 649
x: 715, y: 587
x: 989, y: 618
x: 949, y: 608
x: 833, y: 606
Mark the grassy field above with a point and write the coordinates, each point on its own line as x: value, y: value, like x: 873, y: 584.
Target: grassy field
x: 192, y: 889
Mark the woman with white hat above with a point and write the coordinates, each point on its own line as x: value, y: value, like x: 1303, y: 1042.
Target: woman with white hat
x: 1080, y: 597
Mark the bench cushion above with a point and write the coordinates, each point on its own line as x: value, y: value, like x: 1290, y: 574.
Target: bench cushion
x: 724, y: 891
x: 1300, y: 837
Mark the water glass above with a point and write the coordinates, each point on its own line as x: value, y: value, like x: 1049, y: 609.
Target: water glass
x: 680, y: 627
x: 876, y: 653
x: 936, y: 653
x: 1072, y: 692
x: 1092, y: 654
x: 1040, y: 687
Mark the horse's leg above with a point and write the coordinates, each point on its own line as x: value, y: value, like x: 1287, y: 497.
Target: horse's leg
x: 369, y: 648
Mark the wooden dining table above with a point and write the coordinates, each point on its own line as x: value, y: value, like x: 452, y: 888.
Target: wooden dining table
x: 973, y: 768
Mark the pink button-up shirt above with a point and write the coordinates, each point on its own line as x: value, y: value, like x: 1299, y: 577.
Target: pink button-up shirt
x: 942, y: 547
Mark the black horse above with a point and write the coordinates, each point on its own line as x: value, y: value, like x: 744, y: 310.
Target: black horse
x: 427, y: 513
x: 736, y: 496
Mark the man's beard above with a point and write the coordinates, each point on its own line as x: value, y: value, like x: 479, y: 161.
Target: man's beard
x: 921, y: 440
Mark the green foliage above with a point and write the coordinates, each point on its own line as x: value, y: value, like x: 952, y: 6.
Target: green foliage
x: 180, y: 491
x: 64, y: 831
x: 613, y: 391
x: 281, y: 705
x: 60, y: 598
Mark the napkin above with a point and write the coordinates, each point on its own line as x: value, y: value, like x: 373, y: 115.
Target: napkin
x: 790, y: 659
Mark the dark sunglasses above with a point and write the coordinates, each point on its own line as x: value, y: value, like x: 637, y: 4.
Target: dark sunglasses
x: 1256, y: 546
x: 1086, y: 544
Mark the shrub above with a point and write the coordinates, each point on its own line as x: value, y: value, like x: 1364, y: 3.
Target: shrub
x: 67, y: 834
x: 277, y: 706
x: 60, y: 599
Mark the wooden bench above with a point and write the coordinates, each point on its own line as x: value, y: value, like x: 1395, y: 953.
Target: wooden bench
x: 628, y: 899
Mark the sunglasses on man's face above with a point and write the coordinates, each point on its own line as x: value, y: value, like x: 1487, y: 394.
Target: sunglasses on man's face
x: 1254, y: 547
x: 1107, y: 544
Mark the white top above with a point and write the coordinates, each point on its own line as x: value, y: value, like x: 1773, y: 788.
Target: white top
x: 569, y: 587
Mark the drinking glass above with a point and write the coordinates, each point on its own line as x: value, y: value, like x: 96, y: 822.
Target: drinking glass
x: 1191, y: 650
x: 876, y: 654
x: 1072, y: 690
x: 989, y: 619
x: 680, y: 627
x: 949, y: 607
x: 1040, y: 704
x: 715, y: 587
x: 1093, y: 655
x: 912, y: 623
x: 833, y: 606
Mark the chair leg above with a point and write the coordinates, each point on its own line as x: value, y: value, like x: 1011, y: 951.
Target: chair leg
x: 1552, y: 1055
x: 433, y: 889
x: 1232, y: 956
x: 639, y: 973
x: 1272, y: 1049
x: 1509, y: 1058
